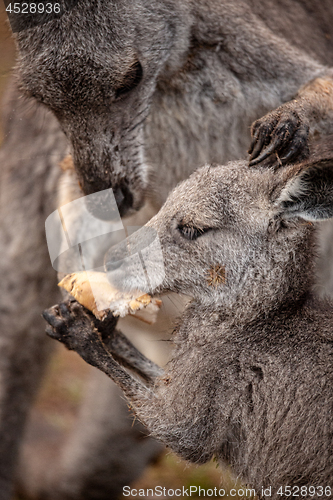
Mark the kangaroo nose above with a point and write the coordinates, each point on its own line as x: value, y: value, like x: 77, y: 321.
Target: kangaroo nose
x: 124, y: 199
x: 102, y: 206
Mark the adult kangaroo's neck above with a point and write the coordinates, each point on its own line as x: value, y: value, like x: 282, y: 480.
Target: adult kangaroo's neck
x: 235, y: 70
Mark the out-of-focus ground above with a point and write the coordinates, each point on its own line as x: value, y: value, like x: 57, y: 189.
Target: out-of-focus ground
x: 63, y: 387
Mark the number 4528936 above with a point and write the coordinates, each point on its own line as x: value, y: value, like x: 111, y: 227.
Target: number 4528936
x: 303, y: 491
x: 33, y: 8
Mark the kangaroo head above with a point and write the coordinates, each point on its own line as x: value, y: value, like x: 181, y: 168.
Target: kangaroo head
x: 233, y: 234
x: 96, y: 68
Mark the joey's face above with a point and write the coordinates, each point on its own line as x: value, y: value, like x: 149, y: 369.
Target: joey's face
x: 219, y: 235
x: 96, y: 68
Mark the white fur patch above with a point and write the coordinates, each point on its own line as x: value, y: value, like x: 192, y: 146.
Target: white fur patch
x: 295, y: 188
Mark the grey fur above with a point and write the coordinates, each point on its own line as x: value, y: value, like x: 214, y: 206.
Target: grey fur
x: 210, y: 69
x: 249, y: 378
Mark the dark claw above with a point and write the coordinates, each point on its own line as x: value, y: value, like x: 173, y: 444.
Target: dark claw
x: 264, y: 154
x: 52, y: 317
x: 261, y: 132
x: 281, y: 135
x: 255, y: 134
x: 299, y: 149
x: 281, y: 131
x: 293, y: 154
x: 258, y: 146
x: 263, y: 137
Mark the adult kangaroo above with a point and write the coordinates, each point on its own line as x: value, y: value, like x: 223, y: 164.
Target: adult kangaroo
x: 145, y: 92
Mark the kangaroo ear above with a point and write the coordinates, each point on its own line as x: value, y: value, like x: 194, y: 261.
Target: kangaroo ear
x: 309, y: 194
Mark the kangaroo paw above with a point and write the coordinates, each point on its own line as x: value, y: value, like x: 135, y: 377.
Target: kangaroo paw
x: 280, y: 135
x: 74, y: 326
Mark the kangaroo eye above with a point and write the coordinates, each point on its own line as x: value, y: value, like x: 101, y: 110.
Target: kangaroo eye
x: 191, y: 232
x: 131, y: 80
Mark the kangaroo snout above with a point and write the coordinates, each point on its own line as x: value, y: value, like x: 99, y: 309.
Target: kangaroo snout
x: 137, y: 262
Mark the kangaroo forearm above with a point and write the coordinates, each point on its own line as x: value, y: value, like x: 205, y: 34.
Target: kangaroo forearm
x: 107, y: 364
x: 130, y: 357
x: 81, y: 332
x: 117, y: 344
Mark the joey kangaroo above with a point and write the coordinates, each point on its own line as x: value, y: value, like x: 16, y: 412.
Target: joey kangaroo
x: 145, y: 92
x: 250, y: 378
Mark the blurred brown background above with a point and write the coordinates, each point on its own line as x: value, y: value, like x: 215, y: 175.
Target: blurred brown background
x: 7, y: 50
